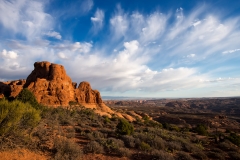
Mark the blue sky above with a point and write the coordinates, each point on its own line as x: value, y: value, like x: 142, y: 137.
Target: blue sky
x: 127, y: 48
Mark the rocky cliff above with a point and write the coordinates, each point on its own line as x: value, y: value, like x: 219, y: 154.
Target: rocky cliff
x: 50, y: 84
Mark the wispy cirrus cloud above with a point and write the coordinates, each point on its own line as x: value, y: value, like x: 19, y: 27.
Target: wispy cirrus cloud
x: 97, y: 20
x: 144, y: 53
x: 53, y: 34
x: 25, y: 18
x: 230, y: 51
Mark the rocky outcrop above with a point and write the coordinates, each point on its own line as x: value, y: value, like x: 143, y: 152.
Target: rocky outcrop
x: 11, y: 88
x: 85, y: 94
x: 90, y: 98
x: 50, y: 84
x: 53, y: 87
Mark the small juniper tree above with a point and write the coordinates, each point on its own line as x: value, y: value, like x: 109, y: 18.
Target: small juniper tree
x: 27, y: 96
x: 124, y: 127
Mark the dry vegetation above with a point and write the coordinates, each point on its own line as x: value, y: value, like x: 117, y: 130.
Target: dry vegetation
x: 79, y: 133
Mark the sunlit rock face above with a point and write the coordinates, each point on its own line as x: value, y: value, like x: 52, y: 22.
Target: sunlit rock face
x: 50, y: 84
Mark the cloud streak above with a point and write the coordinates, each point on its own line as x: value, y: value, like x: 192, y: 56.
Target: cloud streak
x: 138, y: 52
x: 231, y: 51
x: 97, y: 20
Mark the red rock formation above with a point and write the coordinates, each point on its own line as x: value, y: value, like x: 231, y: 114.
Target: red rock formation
x: 11, y: 88
x: 85, y: 94
x: 50, y: 84
x: 53, y: 87
x: 90, y: 98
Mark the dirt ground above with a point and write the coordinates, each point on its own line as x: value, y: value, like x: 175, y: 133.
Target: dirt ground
x: 22, y: 154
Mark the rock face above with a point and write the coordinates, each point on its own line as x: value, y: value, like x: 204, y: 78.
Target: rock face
x: 85, y: 94
x: 50, y: 84
x: 11, y: 88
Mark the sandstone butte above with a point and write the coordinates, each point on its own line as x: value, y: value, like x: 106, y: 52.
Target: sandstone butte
x: 53, y: 87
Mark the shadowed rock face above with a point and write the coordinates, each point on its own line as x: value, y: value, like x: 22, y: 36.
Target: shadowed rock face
x: 11, y: 88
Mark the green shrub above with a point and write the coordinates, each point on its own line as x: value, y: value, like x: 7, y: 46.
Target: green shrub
x: 94, y: 147
x: 123, y: 152
x: 201, y: 129
x: 190, y: 147
x: 227, y: 146
x: 112, y: 144
x: 107, y: 120
x: 72, y: 103
x: 124, y: 127
x: 234, y: 155
x: 174, y: 145
x: 17, y: 115
x: 144, y: 146
x: 234, y: 138
x: 199, y: 155
x: 159, y: 154
x: 27, y: 96
x: 166, y: 126
x: 174, y: 128
x: 215, y: 155
x: 66, y: 149
x: 129, y: 141
x: 184, y: 155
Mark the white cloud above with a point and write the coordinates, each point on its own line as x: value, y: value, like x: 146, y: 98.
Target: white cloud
x: 62, y: 55
x: 191, y: 55
x: 24, y: 17
x: 14, y: 66
x: 86, y: 6
x: 97, y: 20
x: 230, y: 51
x: 9, y: 54
x: 74, y: 47
x: 154, y: 28
x: 144, y: 54
x: 196, y: 23
x: 179, y: 13
x: 119, y: 23
x: 54, y: 34
x: 132, y: 46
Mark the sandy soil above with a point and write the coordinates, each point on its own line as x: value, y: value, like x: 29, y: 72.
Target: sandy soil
x: 22, y: 154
